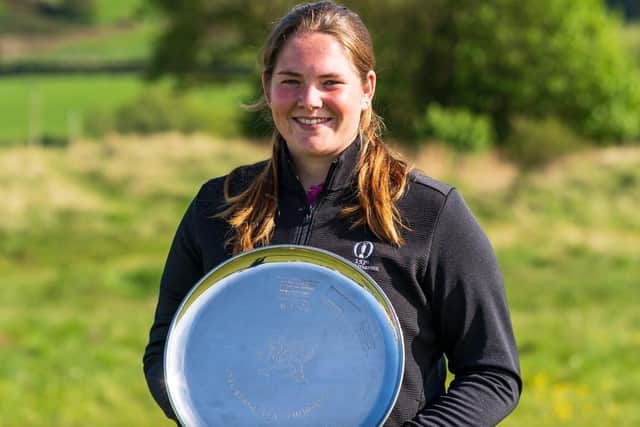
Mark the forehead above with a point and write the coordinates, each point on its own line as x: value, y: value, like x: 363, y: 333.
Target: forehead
x: 314, y: 52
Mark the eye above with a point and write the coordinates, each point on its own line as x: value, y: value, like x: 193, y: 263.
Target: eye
x: 290, y: 82
x: 331, y: 83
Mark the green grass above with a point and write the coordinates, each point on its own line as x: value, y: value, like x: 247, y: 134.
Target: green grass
x: 114, y: 11
x: 60, y: 105
x: 49, y: 105
x: 102, y: 47
x: 569, y: 252
x: 85, y: 231
x: 80, y: 267
x: 123, y: 30
x: 108, y: 13
x: 55, y: 108
x: 567, y: 239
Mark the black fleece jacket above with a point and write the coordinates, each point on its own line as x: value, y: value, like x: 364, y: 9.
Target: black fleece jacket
x: 444, y: 284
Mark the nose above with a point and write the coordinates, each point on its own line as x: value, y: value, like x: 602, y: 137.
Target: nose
x: 310, y: 97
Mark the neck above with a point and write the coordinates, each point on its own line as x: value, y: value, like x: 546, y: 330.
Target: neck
x: 311, y: 171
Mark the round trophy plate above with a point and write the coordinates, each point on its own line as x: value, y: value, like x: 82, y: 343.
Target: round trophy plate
x: 284, y: 336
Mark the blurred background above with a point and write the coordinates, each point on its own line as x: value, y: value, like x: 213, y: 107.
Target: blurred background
x: 113, y: 112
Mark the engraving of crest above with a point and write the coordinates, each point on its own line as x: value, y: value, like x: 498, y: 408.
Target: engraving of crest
x: 286, y: 359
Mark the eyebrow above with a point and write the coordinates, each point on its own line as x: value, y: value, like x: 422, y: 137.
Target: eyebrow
x: 294, y: 74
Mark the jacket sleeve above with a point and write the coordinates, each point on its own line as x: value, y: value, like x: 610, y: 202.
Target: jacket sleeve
x: 182, y: 270
x: 472, y: 319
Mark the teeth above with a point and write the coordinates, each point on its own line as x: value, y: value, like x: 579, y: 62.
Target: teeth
x: 313, y: 121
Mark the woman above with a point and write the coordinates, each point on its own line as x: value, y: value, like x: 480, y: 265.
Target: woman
x: 331, y: 183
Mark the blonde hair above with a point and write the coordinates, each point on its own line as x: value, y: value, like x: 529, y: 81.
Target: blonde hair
x: 382, y: 176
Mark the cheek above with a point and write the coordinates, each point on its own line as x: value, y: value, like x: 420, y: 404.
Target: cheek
x: 282, y: 97
x: 347, y: 103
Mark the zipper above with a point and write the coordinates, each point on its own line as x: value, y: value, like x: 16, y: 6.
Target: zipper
x: 305, y: 210
x: 304, y: 232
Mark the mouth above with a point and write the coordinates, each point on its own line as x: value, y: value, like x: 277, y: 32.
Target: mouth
x: 312, y: 121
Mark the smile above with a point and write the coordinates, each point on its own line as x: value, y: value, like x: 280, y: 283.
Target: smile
x: 309, y: 121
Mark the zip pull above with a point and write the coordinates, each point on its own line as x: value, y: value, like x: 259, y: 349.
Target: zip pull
x: 308, y: 213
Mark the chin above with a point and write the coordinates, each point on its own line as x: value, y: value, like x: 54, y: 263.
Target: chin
x: 316, y: 145
x: 312, y: 144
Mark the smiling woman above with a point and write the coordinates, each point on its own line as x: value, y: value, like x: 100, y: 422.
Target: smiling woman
x: 316, y: 98
x: 334, y: 76
x: 332, y: 184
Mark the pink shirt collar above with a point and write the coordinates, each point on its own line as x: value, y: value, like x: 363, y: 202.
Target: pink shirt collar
x: 313, y: 193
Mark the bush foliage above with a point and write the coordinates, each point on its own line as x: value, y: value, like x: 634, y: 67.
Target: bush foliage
x: 458, y: 128
x: 502, y: 58
x: 153, y: 111
x: 549, y: 57
x: 536, y: 142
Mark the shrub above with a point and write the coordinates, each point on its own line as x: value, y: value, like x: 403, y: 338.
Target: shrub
x: 535, y: 142
x: 83, y: 11
x: 49, y: 140
x: 80, y: 11
x: 98, y: 123
x: 156, y: 111
x: 457, y: 127
x: 617, y: 117
x: 153, y: 111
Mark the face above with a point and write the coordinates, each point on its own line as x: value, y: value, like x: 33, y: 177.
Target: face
x: 316, y: 96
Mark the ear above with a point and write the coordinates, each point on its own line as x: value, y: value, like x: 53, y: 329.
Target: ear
x: 368, y: 89
x: 265, y: 88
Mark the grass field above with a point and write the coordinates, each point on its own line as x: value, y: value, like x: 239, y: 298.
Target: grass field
x: 99, y: 46
x: 59, y: 105
x: 85, y: 230
x: 113, y: 11
x: 567, y: 238
x: 81, y: 247
x: 49, y: 105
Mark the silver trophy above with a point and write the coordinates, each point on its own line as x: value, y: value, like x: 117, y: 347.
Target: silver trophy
x: 284, y: 336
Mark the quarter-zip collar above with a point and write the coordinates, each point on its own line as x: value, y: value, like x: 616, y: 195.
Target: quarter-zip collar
x: 341, y: 173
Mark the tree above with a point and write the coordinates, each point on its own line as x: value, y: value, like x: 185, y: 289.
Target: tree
x: 629, y: 8
x: 208, y: 39
x: 80, y: 11
x: 548, y: 57
x: 509, y: 58
x: 502, y: 58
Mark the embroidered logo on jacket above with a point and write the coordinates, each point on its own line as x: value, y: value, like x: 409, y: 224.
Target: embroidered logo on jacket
x: 362, y: 252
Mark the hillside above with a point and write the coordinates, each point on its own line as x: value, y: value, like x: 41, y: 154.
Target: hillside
x: 85, y: 231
